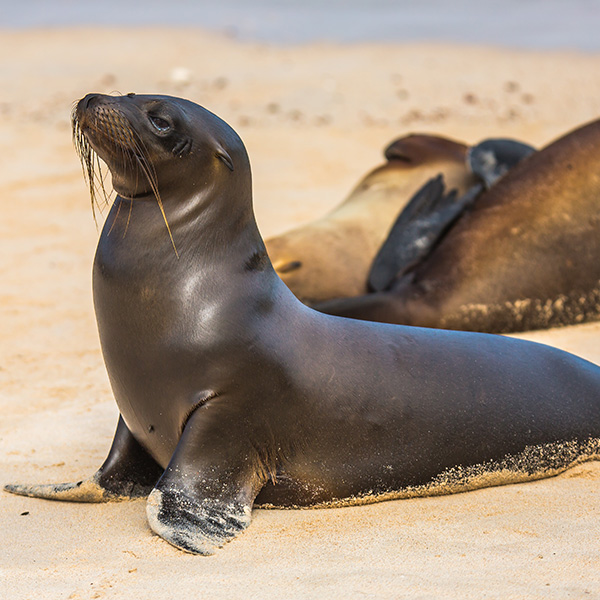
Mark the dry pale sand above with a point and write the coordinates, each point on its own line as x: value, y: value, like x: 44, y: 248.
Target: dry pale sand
x: 314, y: 119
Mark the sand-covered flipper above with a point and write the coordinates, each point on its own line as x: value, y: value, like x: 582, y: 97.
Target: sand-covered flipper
x: 128, y: 472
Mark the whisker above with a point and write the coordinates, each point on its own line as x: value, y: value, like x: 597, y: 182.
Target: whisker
x: 153, y: 185
x: 128, y: 218
x: 150, y: 172
x: 135, y: 158
x: 116, y: 217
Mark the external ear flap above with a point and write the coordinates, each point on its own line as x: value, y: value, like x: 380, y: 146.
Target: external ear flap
x: 224, y: 156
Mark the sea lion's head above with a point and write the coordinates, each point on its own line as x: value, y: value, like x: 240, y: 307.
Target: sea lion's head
x: 160, y: 148
x: 145, y: 141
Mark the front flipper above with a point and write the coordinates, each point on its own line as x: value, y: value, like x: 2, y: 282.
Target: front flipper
x: 128, y: 472
x: 196, y: 526
x: 492, y: 158
x: 204, y: 499
x: 417, y: 230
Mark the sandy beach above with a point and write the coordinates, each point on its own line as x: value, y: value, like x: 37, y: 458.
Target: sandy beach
x: 314, y: 118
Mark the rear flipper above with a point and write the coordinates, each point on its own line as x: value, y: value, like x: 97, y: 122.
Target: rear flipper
x: 128, y: 472
x: 492, y: 158
x: 205, y: 497
x: 417, y: 230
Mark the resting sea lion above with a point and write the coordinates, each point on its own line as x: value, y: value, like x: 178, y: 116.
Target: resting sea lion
x: 233, y: 393
x: 525, y: 255
x: 431, y: 212
x: 330, y: 257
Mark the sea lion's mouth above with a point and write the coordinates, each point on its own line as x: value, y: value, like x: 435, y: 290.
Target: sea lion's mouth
x: 100, y: 134
x: 103, y: 132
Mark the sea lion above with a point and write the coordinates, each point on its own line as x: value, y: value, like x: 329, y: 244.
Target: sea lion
x: 331, y: 257
x: 233, y: 393
x: 432, y: 211
x: 525, y: 255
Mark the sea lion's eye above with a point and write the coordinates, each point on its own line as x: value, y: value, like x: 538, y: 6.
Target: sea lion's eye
x: 159, y: 123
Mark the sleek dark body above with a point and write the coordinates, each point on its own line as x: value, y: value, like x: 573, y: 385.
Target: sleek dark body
x: 239, y: 394
x: 526, y: 255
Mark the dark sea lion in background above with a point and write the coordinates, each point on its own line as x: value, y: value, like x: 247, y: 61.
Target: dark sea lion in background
x: 525, y: 255
x: 331, y: 257
x: 432, y: 211
x: 233, y: 393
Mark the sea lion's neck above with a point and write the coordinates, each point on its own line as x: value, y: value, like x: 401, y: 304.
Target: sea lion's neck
x: 220, y: 266
x: 192, y: 231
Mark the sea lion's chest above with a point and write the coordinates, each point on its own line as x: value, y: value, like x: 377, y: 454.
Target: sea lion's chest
x: 166, y: 338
